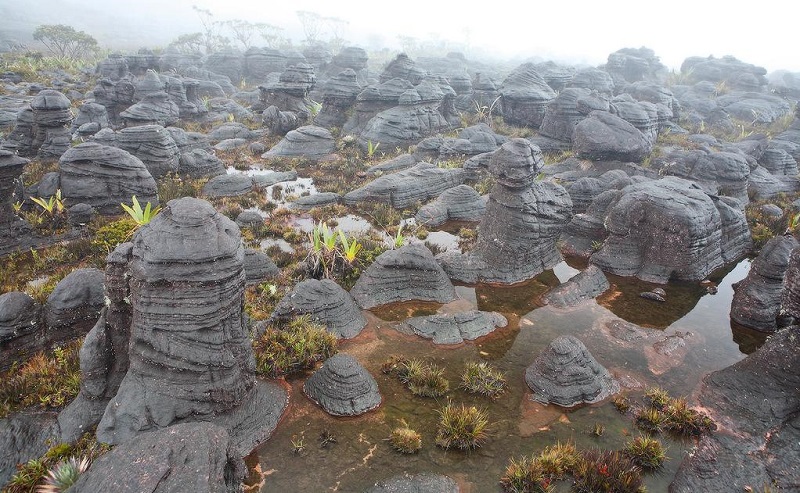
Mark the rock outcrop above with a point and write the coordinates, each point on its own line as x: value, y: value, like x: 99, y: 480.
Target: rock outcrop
x: 325, y: 302
x: 565, y: 373
x: 460, y: 203
x: 310, y: 142
x: 605, y: 137
x: 422, y: 182
x: 587, y: 284
x: 525, y: 96
x: 456, y: 328
x: 12, y: 227
x: 342, y: 387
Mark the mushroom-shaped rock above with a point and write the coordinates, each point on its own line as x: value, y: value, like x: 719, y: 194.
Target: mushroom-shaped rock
x: 51, y: 118
x: 190, y: 353
x: 310, y: 142
x: 103, y: 177
x: 523, y: 219
x: 402, y: 189
x: 342, y: 387
x: 757, y: 298
x: 587, y: 284
x: 156, y: 109
x: 153, y: 144
x: 461, y: 203
x: 408, y: 273
x: 458, y: 327
x: 525, y: 96
x: 327, y: 303
x: 565, y: 373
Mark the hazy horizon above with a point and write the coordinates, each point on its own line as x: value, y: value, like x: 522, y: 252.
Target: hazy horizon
x: 576, y: 33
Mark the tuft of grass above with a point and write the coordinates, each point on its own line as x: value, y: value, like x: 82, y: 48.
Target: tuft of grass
x: 462, y: 427
x: 622, y: 403
x: 294, y: 348
x: 657, y: 397
x: 650, y: 420
x: 483, y: 378
x: 422, y: 379
x: 48, y: 381
x: 64, y: 475
x: 559, y: 460
x: 685, y: 421
x: 646, y: 452
x: 112, y: 234
x: 602, y: 471
x: 405, y: 440
x: 524, y: 475
x: 174, y: 186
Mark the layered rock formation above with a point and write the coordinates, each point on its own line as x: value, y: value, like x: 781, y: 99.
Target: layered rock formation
x: 719, y: 172
x: 342, y: 387
x: 325, y: 302
x: 605, y: 137
x: 408, y: 273
x: 152, y: 144
x: 456, y: 328
x: 523, y: 220
x: 460, y: 203
x: 587, y: 284
x: 190, y: 354
x: 757, y: 298
x: 103, y: 177
x: 565, y: 373
x: 19, y: 325
x: 12, y: 227
x: 402, y: 189
x: 309, y: 142
x: 525, y: 96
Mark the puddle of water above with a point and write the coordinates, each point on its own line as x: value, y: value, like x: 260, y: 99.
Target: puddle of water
x: 362, y: 455
x: 282, y: 192
x: 284, y: 245
x: 443, y: 240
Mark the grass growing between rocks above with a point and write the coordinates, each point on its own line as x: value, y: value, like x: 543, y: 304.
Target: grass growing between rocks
x: 483, y: 378
x: 764, y: 227
x: 48, y: 381
x: 421, y: 378
x: 605, y: 471
x: 294, y: 348
x: 536, y: 474
x: 462, y: 427
x: 665, y: 413
x: 646, y: 452
x: 55, y: 464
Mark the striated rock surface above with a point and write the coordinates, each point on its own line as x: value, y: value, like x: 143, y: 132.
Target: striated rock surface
x: 152, y: 144
x: 456, y: 328
x: 310, y: 142
x: 566, y: 110
x: 51, y: 121
x: 660, y: 230
x: 422, y: 182
x: 719, y: 172
x: 593, y: 79
x: 587, y: 284
x: 75, y: 303
x: 199, y: 163
x: 190, y: 353
x: 790, y: 297
x: 92, y: 117
x: 605, y: 137
x: 757, y: 298
x: 154, y: 109
x: 416, y: 483
x: 24, y: 436
x: 19, y: 327
x: 525, y: 96
x: 406, y: 274
x: 228, y: 185
x: 373, y: 100
x: 460, y: 203
x: 523, y: 220
x: 342, y: 387
x: 403, y: 67
x: 12, y: 227
x: 339, y: 94
x: 736, y: 74
x: 756, y: 403
x: 199, y: 457
x: 565, y: 373
x: 327, y: 303
x: 635, y: 64
x: 103, y: 177
x: 258, y: 267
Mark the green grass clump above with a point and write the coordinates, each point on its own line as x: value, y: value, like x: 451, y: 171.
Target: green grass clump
x: 525, y: 475
x: 685, y: 421
x: 112, y: 234
x: 423, y: 379
x: 603, y: 471
x: 294, y: 348
x: 462, y: 427
x: 46, y: 380
x: 657, y: 397
x: 483, y: 378
x: 646, y: 452
x: 405, y: 440
x: 650, y: 420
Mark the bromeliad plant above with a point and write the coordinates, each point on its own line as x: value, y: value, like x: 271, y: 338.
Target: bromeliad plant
x: 141, y: 216
x: 53, y: 205
x: 331, y: 251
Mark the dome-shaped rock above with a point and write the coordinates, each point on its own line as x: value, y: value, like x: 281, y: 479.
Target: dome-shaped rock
x: 325, y: 302
x: 342, y: 387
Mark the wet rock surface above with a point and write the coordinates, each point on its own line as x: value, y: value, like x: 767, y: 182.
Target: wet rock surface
x: 325, y: 302
x: 587, y: 284
x: 456, y: 328
x: 309, y: 142
x: 565, y: 373
x: 342, y: 387
x: 408, y: 273
x: 416, y: 483
x: 603, y: 136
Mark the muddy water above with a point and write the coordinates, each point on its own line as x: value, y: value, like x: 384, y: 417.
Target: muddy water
x: 296, y: 459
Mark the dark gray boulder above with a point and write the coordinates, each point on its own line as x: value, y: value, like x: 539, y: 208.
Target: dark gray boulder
x: 403, y: 67
x: 406, y: 274
x: 734, y: 73
x: 309, y: 142
x: 230, y: 130
x: 525, y: 96
x: 790, y: 297
x: 756, y: 402
x: 190, y: 353
x: 565, y: 373
x: 756, y: 107
x: 593, y: 79
x: 778, y: 161
x: 227, y: 62
x: 456, y: 328
x: 523, y: 219
x: 416, y: 483
x: 259, y: 63
x: 90, y: 113
x: 198, y: 457
x: 757, y: 298
x: 25, y: 436
x: 635, y: 64
x: 258, y: 267
x: 460, y: 203
x: 325, y: 302
x: 152, y: 144
x: 718, y: 172
x: 397, y: 163
x: 228, y: 185
x: 587, y: 284
x: 12, y: 228
x: 735, y: 241
x: 308, y: 202
x: 19, y: 328
x: 567, y: 109
x: 279, y: 122
x: 603, y: 136
x: 75, y: 303
x: 51, y: 119
x: 154, y: 109
x: 373, y: 100
x: 80, y: 215
x: 199, y: 163
x: 422, y: 182
x: 103, y: 177
x: 660, y: 230
x: 342, y: 387
x: 763, y: 185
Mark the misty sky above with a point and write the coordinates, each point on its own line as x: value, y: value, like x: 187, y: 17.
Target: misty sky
x: 575, y: 31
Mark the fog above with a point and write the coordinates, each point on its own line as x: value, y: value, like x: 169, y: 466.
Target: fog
x: 577, y: 32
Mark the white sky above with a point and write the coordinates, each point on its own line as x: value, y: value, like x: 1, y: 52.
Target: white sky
x: 762, y: 32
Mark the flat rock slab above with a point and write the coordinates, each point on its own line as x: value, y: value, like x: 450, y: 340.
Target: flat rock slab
x: 458, y: 327
x: 342, y: 387
x: 416, y: 483
x: 587, y: 284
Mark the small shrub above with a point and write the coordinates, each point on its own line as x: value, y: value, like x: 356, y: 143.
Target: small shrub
x: 559, y: 460
x: 483, y: 378
x: 64, y: 475
x: 607, y: 472
x: 461, y: 427
x: 621, y: 403
x: 524, y: 475
x: 405, y: 440
x: 645, y: 452
x: 112, y: 234
x: 295, y: 348
x: 139, y: 215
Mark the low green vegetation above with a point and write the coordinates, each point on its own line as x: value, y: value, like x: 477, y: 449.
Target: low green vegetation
x: 670, y: 414
x: 294, y: 348
x: 604, y: 471
x: 47, y: 380
x: 405, y: 440
x: 140, y: 216
x: 536, y: 474
x: 421, y: 378
x: 483, y: 378
x: 646, y: 452
x: 462, y: 427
